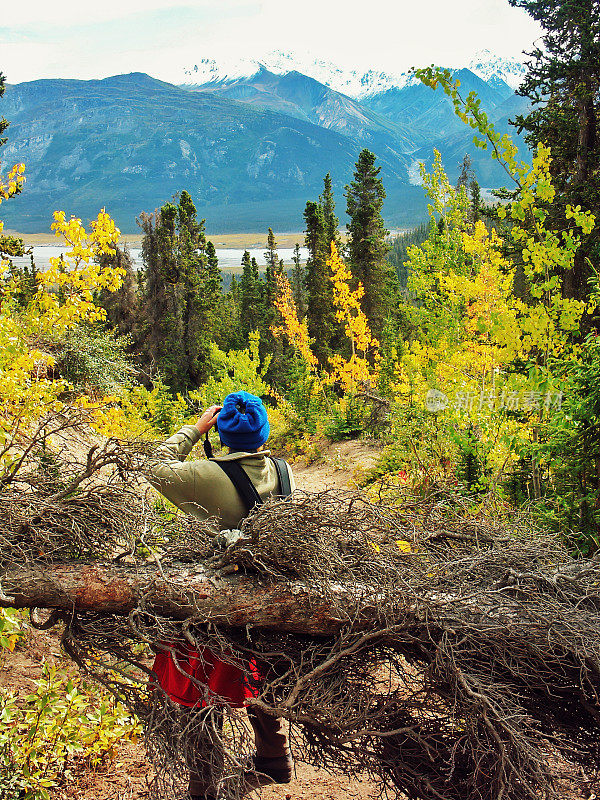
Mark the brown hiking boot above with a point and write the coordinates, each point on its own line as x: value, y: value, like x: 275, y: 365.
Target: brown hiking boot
x: 266, y: 771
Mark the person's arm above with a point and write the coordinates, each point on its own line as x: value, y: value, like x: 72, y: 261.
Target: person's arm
x: 169, y: 472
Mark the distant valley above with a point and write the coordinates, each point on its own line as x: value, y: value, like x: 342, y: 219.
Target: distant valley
x: 250, y: 148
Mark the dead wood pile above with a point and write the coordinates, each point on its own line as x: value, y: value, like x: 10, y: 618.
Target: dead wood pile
x: 465, y: 658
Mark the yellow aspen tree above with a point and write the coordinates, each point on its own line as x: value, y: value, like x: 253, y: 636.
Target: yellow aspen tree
x: 356, y: 327
x: 294, y: 329
x: 9, y: 186
x: 65, y: 297
x: 79, y: 273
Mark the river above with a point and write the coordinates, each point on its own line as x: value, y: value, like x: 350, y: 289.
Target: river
x: 229, y: 259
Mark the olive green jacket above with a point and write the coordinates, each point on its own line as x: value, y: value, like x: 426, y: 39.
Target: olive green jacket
x: 201, y: 488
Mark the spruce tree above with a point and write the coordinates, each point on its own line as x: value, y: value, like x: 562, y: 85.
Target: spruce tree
x: 227, y: 328
x: 367, y: 246
x: 213, y: 271
x: 297, y: 282
x: 199, y: 297
x: 475, y: 194
x: 163, y: 335
x: 251, y: 297
x: 234, y: 289
x: 330, y: 221
x: 273, y: 266
x: 563, y: 85
x: 320, y: 314
x: 466, y: 173
x: 182, y: 293
x: 123, y: 306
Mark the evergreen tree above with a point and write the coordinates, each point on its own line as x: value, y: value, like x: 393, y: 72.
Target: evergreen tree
x: 322, y: 228
x: 297, y: 282
x: 563, y: 84
x: 200, y: 296
x: 330, y: 221
x: 475, y: 193
x: 234, y: 289
x: 213, y: 272
x: 320, y: 313
x: 182, y: 293
x: 163, y: 335
x: 270, y: 344
x: 251, y: 297
x: 466, y: 174
x: 273, y: 266
x: 123, y: 306
x: 227, y: 330
x: 367, y: 246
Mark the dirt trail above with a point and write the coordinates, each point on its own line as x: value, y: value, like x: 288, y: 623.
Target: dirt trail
x: 339, y: 467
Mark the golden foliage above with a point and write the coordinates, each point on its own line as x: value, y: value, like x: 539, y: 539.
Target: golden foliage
x: 295, y: 330
x: 64, y: 298
x: 357, y: 369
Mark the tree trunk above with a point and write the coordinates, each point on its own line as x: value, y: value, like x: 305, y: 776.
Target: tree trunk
x: 235, y: 601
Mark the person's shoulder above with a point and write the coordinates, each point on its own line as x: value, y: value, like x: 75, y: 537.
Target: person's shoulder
x: 243, y: 455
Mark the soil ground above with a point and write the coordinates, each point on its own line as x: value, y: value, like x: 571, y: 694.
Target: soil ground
x: 126, y: 778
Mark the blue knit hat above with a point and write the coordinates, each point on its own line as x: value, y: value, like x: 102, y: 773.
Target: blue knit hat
x: 242, y: 422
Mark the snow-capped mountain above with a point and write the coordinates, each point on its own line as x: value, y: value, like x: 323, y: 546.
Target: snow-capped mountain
x: 251, y: 139
x: 209, y: 70
x: 490, y: 67
x: 354, y: 83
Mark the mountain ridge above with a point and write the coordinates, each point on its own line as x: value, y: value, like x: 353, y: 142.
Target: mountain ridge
x: 251, y: 150
x: 354, y: 83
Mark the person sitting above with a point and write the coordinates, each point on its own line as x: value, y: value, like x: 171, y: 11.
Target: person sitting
x: 204, y: 489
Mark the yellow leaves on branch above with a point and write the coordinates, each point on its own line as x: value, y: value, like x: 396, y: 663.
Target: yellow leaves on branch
x: 347, y: 373
x: 295, y: 330
x: 65, y: 297
x: 356, y: 326
x: 13, y: 182
x: 491, y: 324
x: 66, y: 290
x: 348, y: 305
x: 10, y: 186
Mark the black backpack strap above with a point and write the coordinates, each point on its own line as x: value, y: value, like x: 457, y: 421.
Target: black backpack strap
x: 285, y: 486
x: 243, y: 484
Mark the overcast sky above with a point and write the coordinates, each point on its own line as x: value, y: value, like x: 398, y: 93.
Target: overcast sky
x: 86, y: 39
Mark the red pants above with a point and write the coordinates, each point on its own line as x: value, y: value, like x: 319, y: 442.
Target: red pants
x: 180, y: 668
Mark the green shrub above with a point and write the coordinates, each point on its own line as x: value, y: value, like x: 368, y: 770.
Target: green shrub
x: 232, y: 371
x: 12, y: 630
x: 89, y: 358
x: 62, y: 724
x: 346, y: 419
x: 421, y: 448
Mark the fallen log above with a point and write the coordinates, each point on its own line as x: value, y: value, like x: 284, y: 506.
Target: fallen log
x: 435, y: 693
x: 178, y: 593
